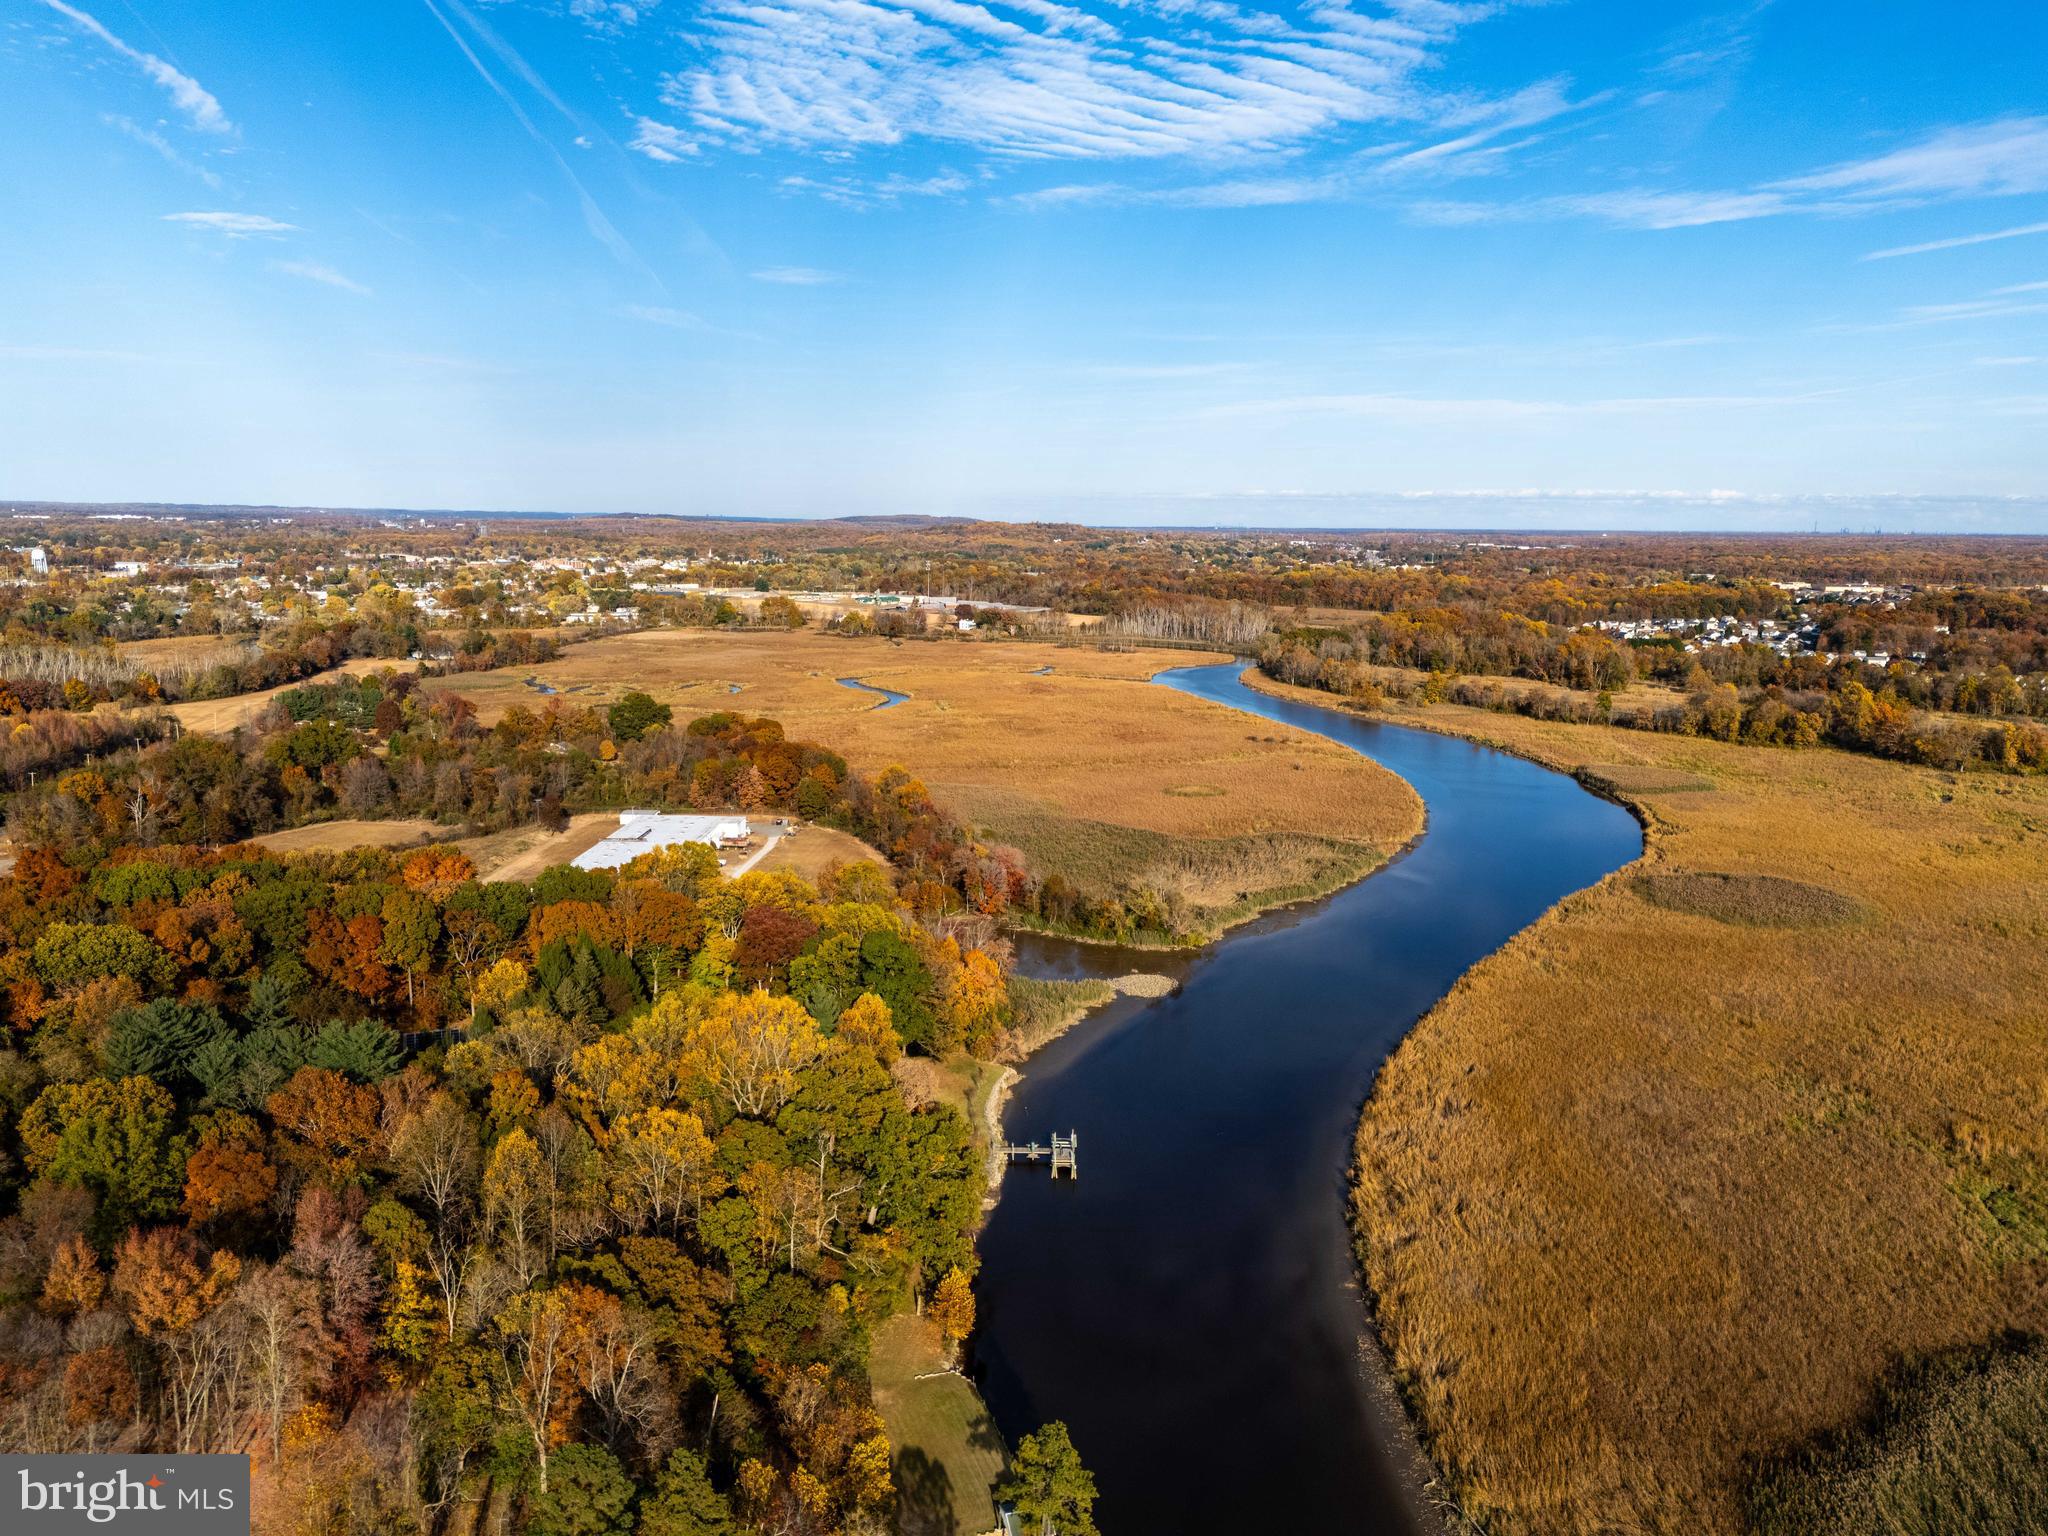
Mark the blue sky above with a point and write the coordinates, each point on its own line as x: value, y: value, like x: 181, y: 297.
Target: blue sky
x: 1174, y: 260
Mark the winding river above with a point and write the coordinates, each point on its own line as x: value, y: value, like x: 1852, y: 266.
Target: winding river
x: 1190, y: 1305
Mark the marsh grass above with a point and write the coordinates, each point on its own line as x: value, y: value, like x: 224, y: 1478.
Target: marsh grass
x: 1758, y: 901
x: 1043, y: 1010
x: 1957, y: 1443
x: 1095, y: 774
x: 1649, y: 1200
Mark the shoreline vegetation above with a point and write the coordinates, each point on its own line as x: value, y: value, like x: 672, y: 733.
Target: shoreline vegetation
x: 1838, y: 1126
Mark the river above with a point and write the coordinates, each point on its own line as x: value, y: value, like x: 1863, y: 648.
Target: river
x: 1190, y: 1305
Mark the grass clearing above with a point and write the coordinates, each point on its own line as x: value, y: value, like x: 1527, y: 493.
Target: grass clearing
x: 947, y: 1452
x: 219, y: 716
x: 520, y: 853
x: 1087, y: 768
x: 333, y: 836
x: 813, y: 850
x: 1651, y: 1198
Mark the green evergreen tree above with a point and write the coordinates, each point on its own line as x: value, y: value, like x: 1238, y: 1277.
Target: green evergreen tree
x: 684, y: 1503
x: 366, y: 1050
x: 588, y: 1494
x: 1046, y: 1483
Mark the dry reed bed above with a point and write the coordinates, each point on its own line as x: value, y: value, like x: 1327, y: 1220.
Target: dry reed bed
x: 1087, y: 767
x: 1651, y: 1194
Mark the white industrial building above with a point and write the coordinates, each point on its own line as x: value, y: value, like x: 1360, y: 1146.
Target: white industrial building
x: 641, y: 832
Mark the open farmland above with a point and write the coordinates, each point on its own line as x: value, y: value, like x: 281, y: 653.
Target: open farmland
x: 1067, y: 753
x: 1673, y: 1180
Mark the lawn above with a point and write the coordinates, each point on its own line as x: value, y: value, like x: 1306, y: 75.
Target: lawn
x: 812, y: 850
x: 1066, y: 753
x: 948, y: 1454
x: 1668, y: 1186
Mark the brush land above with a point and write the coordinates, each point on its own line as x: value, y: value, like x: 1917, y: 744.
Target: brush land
x: 1663, y: 1190
x: 1065, y: 753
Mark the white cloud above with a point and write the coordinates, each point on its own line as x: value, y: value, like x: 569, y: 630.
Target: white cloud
x: 1039, y: 80
x: 856, y: 192
x: 1631, y: 210
x: 236, y: 226
x: 798, y: 277
x: 162, y: 145
x: 1424, y: 409
x: 187, y: 94
x: 1957, y: 242
x: 660, y: 141
x: 2004, y: 158
x: 315, y: 272
x: 611, y: 15
x: 674, y: 319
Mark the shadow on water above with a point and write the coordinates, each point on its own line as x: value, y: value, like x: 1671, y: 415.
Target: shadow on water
x: 1189, y: 1306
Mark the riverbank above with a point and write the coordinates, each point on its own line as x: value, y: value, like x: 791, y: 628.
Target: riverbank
x: 1205, y: 1255
x: 1776, y: 1136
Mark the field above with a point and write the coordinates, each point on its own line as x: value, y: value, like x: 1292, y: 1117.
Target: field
x: 331, y: 836
x: 217, y: 716
x: 1673, y: 1181
x: 1064, y: 752
x: 948, y: 1453
x: 182, y: 650
x: 811, y: 851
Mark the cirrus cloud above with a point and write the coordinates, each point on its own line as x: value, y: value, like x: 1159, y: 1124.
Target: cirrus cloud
x: 236, y: 226
x: 187, y: 95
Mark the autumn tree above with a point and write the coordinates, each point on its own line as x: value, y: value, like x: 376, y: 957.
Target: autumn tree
x: 535, y: 1372
x: 113, y: 1137
x: 951, y: 1308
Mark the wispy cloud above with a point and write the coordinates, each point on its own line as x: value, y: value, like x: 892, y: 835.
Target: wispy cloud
x: 1045, y: 81
x: 863, y: 192
x: 187, y: 95
x: 236, y: 226
x: 798, y: 277
x: 1957, y: 242
x: 2004, y: 158
x: 2011, y: 301
x: 674, y: 319
x: 594, y: 220
x: 660, y: 141
x: 1433, y: 408
x: 163, y: 146
x: 315, y: 272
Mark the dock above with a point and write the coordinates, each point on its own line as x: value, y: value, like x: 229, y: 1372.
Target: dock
x: 1065, y: 1153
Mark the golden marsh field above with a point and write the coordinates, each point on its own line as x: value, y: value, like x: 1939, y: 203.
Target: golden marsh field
x: 1672, y: 1182
x: 1067, y: 753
